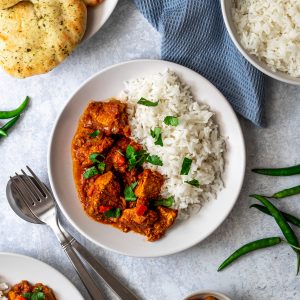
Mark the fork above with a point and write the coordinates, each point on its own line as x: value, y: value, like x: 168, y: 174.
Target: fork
x: 42, y: 205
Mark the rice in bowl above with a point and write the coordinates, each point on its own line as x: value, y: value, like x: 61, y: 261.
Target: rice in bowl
x: 196, y: 137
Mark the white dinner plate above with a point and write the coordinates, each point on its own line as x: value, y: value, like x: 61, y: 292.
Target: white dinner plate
x: 183, y: 234
x: 97, y: 16
x: 15, y: 268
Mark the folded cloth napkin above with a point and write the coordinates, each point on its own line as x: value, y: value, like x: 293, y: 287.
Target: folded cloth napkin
x: 194, y: 35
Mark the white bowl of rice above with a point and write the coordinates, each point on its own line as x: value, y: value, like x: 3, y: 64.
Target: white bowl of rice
x: 267, y: 33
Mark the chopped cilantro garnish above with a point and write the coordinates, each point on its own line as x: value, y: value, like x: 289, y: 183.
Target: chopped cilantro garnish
x: 135, y: 158
x: 90, y: 172
x: 101, y: 167
x: 146, y: 102
x: 95, y: 133
x: 193, y: 182
x: 165, y: 202
x: 113, y: 213
x: 37, y: 294
x: 186, y: 165
x: 172, y: 121
x: 129, y: 193
x: 154, y: 160
x: 156, y: 134
x: 95, y: 157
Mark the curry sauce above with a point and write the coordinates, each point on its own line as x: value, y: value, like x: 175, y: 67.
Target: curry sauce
x: 111, y: 188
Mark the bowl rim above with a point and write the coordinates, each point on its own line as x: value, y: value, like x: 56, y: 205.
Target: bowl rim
x: 283, y: 77
x: 50, y: 171
x: 208, y: 292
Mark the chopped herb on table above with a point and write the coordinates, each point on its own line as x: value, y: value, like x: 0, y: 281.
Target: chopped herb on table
x: 289, y: 171
x: 172, y: 121
x: 156, y: 134
x: 37, y: 294
x: 193, y: 182
x: 146, y: 102
x: 129, y: 193
x: 186, y: 166
x: 165, y: 202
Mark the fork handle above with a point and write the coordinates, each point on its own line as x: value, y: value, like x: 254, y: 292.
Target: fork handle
x: 86, y: 278
x: 123, y: 292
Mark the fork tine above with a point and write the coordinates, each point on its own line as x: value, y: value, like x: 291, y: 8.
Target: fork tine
x: 28, y: 197
x: 26, y: 188
x: 40, y: 184
x: 23, y: 197
x: 34, y: 188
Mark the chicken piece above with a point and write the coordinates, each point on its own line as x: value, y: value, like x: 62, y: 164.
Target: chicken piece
x: 149, y: 185
x: 24, y: 287
x: 84, y: 145
x: 115, y: 159
x: 125, y: 141
x: 105, y: 191
x: 167, y: 217
x: 109, y: 117
x: 131, y: 221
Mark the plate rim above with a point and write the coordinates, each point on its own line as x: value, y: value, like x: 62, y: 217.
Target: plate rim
x: 35, y: 260
x: 166, y: 252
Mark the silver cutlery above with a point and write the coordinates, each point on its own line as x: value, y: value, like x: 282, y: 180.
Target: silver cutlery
x: 34, y: 202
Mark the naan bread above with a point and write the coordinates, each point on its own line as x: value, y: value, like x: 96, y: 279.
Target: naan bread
x: 88, y: 2
x: 37, y: 35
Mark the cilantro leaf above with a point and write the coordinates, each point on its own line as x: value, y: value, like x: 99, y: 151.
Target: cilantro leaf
x: 186, y: 165
x: 90, y: 172
x: 95, y: 133
x: 154, y: 160
x: 101, y: 167
x: 113, y: 213
x: 193, y: 182
x: 165, y: 202
x: 156, y: 134
x: 135, y: 158
x: 129, y: 193
x: 172, y: 121
x: 146, y: 102
x: 94, y: 157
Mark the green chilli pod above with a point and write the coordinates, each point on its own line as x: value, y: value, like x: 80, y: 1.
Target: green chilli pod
x: 282, y: 223
x: 15, y: 112
x: 253, y: 246
x: 287, y: 192
x: 290, y: 218
x: 279, y: 171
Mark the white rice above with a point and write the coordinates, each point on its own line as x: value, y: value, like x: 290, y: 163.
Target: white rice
x: 196, y: 137
x: 3, y: 288
x: 270, y: 30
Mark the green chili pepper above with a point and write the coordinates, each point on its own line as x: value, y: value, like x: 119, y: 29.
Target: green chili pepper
x: 287, y: 192
x: 282, y: 223
x: 10, y: 123
x: 259, y: 244
x: 15, y: 112
x: 290, y: 218
x: 279, y: 171
x: 3, y: 133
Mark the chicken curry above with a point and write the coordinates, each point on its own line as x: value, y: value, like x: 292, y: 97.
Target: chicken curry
x: 25, y: 291
x: 112, y: 184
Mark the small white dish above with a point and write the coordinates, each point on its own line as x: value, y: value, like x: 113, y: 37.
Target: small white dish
x: 184, y: 234
x: 263, y: 67
x: 202, y: 294
x: 97, y: 16
x: 15, y: 268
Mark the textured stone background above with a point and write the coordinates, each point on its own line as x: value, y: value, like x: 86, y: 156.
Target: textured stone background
x: 269, y: 274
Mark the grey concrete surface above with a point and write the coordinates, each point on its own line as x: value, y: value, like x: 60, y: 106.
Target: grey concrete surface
x: 268, y: 274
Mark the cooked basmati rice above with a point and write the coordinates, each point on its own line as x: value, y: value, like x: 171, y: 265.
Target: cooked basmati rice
x: 270, y: 30
x: 196, y: 137
x: 3, y: 288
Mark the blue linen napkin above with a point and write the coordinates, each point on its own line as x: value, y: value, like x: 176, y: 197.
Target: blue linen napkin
x: 194, y: 35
